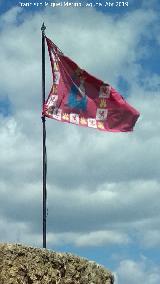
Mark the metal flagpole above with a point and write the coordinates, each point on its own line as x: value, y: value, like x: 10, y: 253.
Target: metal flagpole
x: 44, y: 139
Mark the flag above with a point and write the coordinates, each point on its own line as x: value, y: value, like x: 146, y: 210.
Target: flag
x: 78, y: 97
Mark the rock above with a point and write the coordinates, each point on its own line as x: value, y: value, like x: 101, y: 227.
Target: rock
x: 27, y: 265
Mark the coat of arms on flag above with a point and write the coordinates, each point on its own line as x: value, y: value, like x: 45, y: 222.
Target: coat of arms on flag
x: 78, y: 97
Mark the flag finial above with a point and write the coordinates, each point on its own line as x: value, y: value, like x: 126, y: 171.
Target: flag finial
x: 43, y: 27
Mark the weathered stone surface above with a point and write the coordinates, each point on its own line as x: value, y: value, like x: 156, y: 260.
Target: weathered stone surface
x: 26, y: 265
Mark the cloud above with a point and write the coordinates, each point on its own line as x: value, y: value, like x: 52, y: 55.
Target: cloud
x: 133, y: 272
x: 151, y: 238
x: 100, y: 238
x: 10, y: 16
x: 18, y: 232
x: 90, y: 239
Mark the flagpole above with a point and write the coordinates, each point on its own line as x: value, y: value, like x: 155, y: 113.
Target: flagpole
x: 44, y: 138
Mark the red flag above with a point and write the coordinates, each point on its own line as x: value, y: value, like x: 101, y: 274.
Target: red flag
x: 79, y: 98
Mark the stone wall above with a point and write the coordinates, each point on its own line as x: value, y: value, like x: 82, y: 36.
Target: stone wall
x: 26, y: 265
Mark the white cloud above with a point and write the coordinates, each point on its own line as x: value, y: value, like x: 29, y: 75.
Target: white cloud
x: 133, y: 272
x: 10, y: 16
x: 151, y: 238
x: 18, y: 232
x: 19, y: 160
x: 100, y: 238
x: 90, y: 239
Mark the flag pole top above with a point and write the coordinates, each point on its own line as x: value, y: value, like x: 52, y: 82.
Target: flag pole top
x: 43, y: 27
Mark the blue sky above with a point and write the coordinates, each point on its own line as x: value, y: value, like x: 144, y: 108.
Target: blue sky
x: 103, y: 205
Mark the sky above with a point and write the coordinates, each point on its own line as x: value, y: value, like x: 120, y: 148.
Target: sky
x: 103, y: 188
